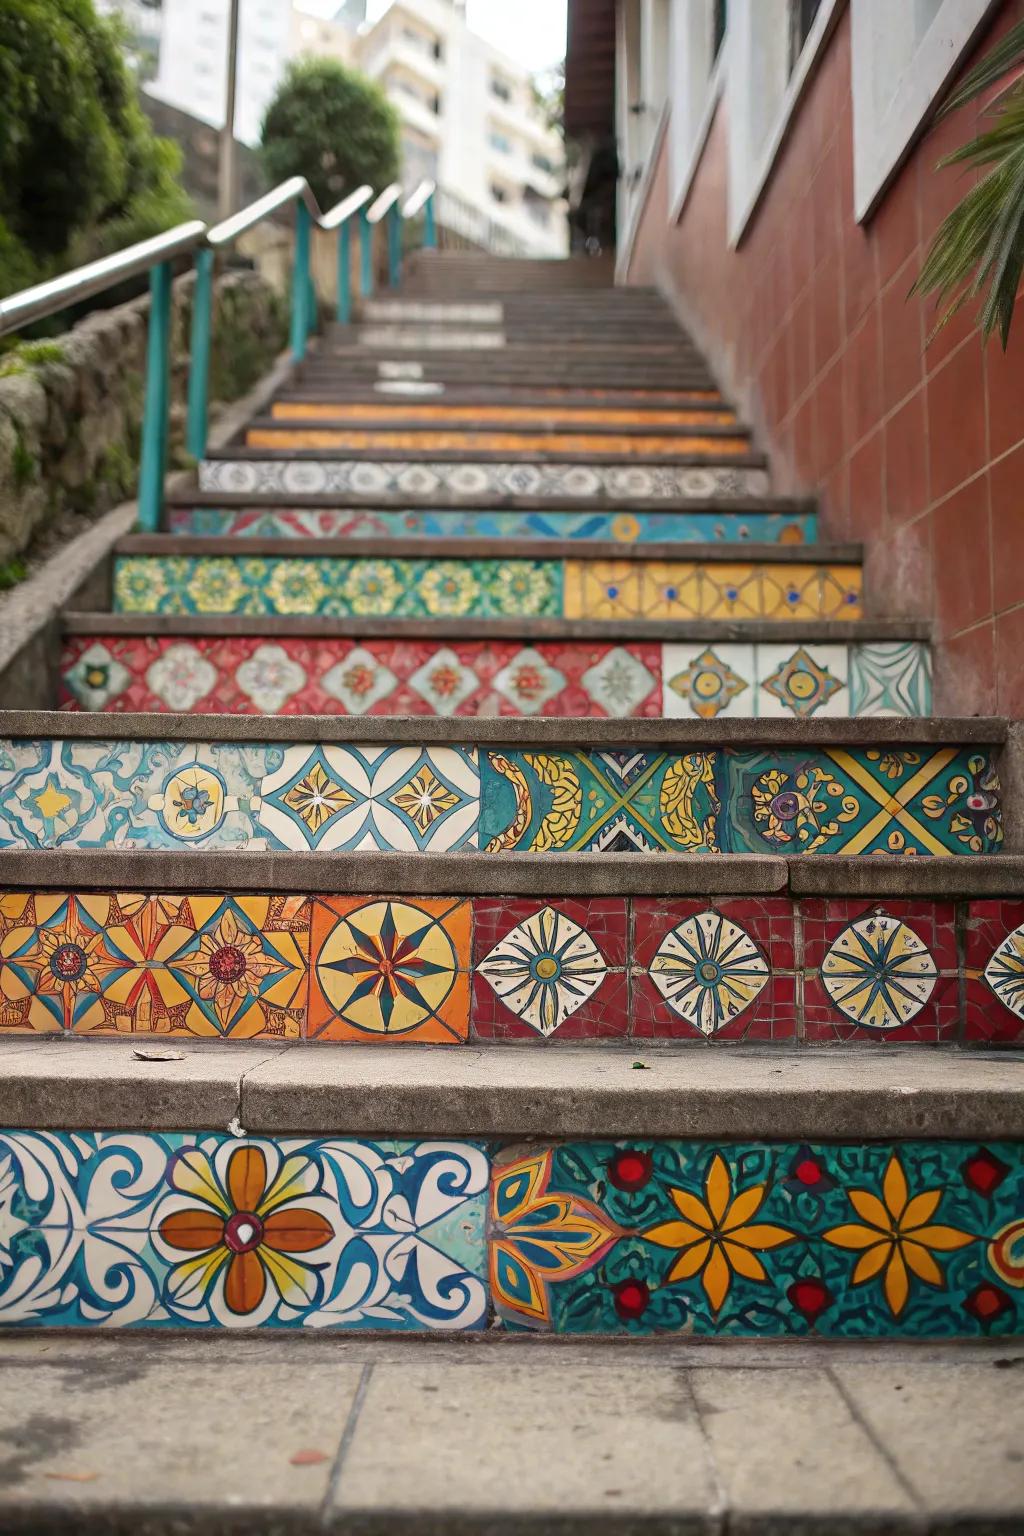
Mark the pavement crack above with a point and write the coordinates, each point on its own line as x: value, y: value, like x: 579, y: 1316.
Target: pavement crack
x: 347, y: 1436
x: 853, y: 1408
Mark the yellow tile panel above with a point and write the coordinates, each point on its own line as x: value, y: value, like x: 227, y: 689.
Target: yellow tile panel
x: 621, y: 589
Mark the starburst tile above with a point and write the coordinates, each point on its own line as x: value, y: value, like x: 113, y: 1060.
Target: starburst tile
x: 796, y: 682
x: 545, y: 968
x: 709, y: 971
x: 619, y: 682
x: 710, y: 683
x: 879, y: 973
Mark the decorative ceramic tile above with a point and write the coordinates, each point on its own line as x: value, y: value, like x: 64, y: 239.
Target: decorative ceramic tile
x: 131, y: 794
x: 893, y: 678
x: 937, y: 801
x: 921, y: 1239
x: 708, y: 681
x: 426, y: 479
x: 475, y: 416
x: 387, y: 310
x: 397, y: 969
x: 343, y: 588
x: 994, y: 982
x: 875, y: 972
x: 106, y: 1229
x: 796, y: 681
x: 619, y: 589
x: 550, y: 966
x: 726, y: 972
x: 132, y: 964
x: 282, y: 439
x: 453, y: 523
x: 441, y: 339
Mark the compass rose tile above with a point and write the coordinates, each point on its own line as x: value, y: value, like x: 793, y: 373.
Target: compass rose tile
x: 550, y: 969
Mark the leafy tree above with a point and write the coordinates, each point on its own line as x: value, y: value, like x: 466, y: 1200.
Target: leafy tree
x: 980, y: 245
x: 333, y: 126
x: 80, y: 168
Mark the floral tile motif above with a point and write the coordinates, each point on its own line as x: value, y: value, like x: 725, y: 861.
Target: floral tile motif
x: 132, y: 794
x: 617, y: 589
x: 936, y: 801
x: 455, y: 523
x: 994, y: 973
x: 627, y: 445
x: 310, y: 676
x: 918, y: 1240
x: 326, y: 586
x: 105, y: 1229
x: 798, y: 682
x: 542, y: 968
x: 708, y: 682
x: 395, y: 969
x: 426, y: 480
x: 889, y: 973
x: 726, y: 972
x: 174, y: 964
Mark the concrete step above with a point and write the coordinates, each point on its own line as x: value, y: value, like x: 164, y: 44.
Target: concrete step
x: 764, y: 521
x: 337, y: 386
x: 674, y: 1440
x: 278, y: 666
x: 555, y: 1210
x: 711, y: 443
x: 460, y: 408
x: 626, y: 953
x: 173, y: 573
x: 866, y: 786
x: 454, y: 481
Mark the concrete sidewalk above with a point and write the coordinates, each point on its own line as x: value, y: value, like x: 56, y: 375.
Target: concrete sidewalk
x: 172, y: 1435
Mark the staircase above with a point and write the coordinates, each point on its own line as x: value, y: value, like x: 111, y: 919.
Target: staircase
x: 483, y: 698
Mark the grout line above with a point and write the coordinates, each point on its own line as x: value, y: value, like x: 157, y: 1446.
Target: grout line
x: 719, y: 1510
x: 344, y: 1445
x: 879, y: 1444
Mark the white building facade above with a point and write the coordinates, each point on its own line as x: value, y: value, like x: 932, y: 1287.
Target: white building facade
x: 469, y: 115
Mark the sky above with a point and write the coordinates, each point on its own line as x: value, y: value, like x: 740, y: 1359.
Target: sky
x: 531, y: 31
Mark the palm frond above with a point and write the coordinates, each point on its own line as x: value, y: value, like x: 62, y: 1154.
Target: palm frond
x: 1007, y: 55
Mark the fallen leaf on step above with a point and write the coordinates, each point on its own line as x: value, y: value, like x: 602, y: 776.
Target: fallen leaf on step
x: 308, y: 1458
x: 640, y: 1066
x: 72, y: 1477
x: 154, y: 1055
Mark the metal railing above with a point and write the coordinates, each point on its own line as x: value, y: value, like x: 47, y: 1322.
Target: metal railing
x: 157, y: 256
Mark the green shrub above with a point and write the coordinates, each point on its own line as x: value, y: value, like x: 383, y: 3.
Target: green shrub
x: 333, y: 126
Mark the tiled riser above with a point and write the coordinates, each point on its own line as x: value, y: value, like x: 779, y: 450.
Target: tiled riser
x: 411, y: 479
x: 474, y: 416
x: 918, y: 1240
x: 283, y: 438
x: 570, y: 589
x: 449, y: 970
x: 139, y: 794
x: 247, y: 675
x: 413, y: 522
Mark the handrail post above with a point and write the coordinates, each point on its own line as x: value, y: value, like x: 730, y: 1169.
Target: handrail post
x: 155, y: 409
x: 345, y: 273
x: 301, y: 317
x: 429, y: 225
x: 394, y: 246
x: 199, y: 365
x: 365, y: 255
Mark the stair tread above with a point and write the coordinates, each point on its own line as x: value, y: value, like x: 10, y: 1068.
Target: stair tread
x: 749, y: 552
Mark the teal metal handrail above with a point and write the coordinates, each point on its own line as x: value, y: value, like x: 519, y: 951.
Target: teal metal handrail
x: 156, y: 256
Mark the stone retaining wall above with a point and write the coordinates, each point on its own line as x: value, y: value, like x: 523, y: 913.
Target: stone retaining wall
x: 71, y: 409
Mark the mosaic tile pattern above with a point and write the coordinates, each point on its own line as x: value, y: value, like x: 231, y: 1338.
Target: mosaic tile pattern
x: 426, y: 440
x: 453, y: 523
x: 426, y: 479
x: 300, y: 676
x: 571, y: 589
x: 138, y: 794
x: 756, y: 1239
x: 444, y: 970
x: 917, y: 1240
x: 209, y: 1231
x: 497, y: 415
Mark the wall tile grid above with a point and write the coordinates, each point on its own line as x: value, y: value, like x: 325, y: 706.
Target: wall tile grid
x: 452, y: 523
x: 151, y: 794
x: 571, y: 589
x: 426, y: 478
x: 300, y: 676
x: 445, y: 970
x: 207, y: 1231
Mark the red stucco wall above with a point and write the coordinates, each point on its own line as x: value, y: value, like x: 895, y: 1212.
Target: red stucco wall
x: 918, y: 451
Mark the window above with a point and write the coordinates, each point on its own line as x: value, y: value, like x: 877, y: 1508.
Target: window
x: 501, y: 88
x: 538, y: 211
x: 903, y: 56
x: 719, y: 23
x: 543, y: 163
x: 500, y: 141
x: 499, y: 193
x: 696, y: 35
x: 802, y: 14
